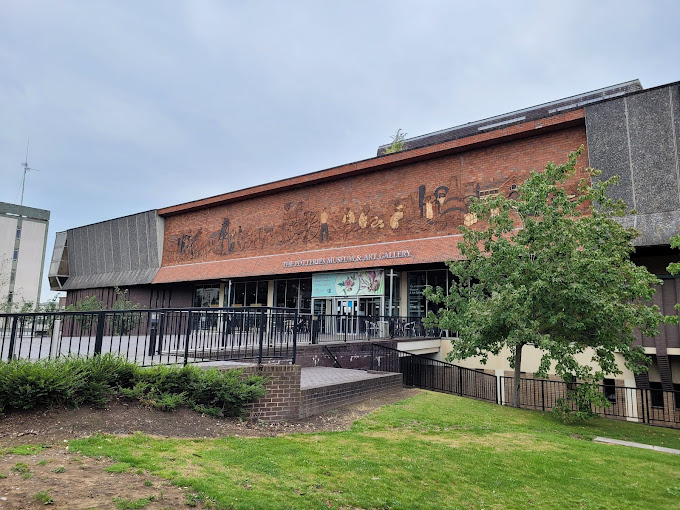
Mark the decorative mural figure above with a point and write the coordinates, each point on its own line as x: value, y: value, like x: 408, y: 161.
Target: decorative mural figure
x: 324, y: 226
x: 349, y: 217
x: 363, y: 217
x: 225, y: 235
x: 429, y: 212
x: 440, y: 195
x: 396, y: 216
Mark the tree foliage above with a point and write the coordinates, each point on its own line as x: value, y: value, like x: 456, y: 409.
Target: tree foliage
x: 552, y: 270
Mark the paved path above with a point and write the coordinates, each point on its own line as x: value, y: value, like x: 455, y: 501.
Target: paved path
x: 315, y: 377
x: 637, y: 445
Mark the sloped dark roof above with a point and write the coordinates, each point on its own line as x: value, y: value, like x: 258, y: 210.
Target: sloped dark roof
x: 527, y: 114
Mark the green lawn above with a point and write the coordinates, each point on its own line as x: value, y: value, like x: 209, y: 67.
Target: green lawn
x: 430, y: 451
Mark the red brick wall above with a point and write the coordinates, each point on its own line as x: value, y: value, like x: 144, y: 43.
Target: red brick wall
x: 282, y: 400
x: 317, y: 400
x: 292, y: 221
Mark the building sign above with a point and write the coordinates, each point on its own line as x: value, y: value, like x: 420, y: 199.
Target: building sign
x: 356, y: 283
x: 343, y: 259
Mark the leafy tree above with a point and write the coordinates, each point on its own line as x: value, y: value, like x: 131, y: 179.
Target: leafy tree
x: 124, y: 322
x: 87, y: 304
x: 674, y: 267
x: 552, y: 270
x: 397, y: 144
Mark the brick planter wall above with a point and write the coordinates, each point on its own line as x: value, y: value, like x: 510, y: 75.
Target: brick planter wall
x: 282, y: 400
x: 318, y: 400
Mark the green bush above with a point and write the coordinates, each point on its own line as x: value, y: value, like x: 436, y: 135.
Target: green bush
x: 225, y: 391
x: 76, y: 381
x: 26, y: 385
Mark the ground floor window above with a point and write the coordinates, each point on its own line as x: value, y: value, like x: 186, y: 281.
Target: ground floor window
x: 294, y: 293
x: 248, y: 293
x: 206, y: 296
x: 418, y: 306
x: 609, y: 390
x: 393, y: 282
x: 656, y: 394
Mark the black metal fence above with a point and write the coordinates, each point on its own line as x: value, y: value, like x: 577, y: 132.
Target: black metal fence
x: 653, y: 406
x: 190, y: 335
x: 159, y: 336
x: 430, y: 374
x: 343, y: 328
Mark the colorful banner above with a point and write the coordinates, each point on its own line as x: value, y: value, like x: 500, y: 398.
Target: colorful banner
x: 355, y: 283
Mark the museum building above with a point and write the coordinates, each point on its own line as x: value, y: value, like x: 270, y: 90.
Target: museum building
x: 365, y: 238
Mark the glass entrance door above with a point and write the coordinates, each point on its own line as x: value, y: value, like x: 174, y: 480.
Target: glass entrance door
x: 345, y: 310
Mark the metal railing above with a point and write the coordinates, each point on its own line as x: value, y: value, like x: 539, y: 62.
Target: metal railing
x: 430, y: 374
x: 342, y: 328
x: 158, y: 336
x: 653, y: 406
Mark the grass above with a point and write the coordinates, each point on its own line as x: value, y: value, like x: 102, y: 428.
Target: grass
x: 120, y: 467
x: 128, y: 504
x: 23, y: 469
x: 43, y: 497
x: 26, y: 449
x: 430, y: 451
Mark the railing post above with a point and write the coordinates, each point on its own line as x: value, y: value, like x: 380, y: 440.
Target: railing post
x: 12, y: 338
x: 99, y: 335
x: 261, y: 336
x: 543, y: 393
x: 295, y: 329
x: 188, y: 337
x: 159, y: 343
x: 153, y: 325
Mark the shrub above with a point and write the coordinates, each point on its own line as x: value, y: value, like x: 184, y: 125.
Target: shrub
x: 77, y: 381
x: 25, y: 385
x: 226, y: 391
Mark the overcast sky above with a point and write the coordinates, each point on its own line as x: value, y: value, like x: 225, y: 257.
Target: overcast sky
x: 136, y: 105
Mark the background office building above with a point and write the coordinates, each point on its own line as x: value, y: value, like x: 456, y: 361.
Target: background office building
x: 23, y: 238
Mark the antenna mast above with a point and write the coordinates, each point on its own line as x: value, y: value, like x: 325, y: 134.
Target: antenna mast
x: 26, y: 170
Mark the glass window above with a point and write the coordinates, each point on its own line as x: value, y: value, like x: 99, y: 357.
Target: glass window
x: 436, y: 279
x: 280, y: 294
x: 239, y: 294
x: 293, y: 293
x: 306, y: 295
x: 207, y: 296
x: 262, y: 292
x: 251, y: 293
x: 416, y: 300
x: 16, y: 255
x: 292, y: 287
x: 396, y: 294
x: 18, y: 233
x: 656, y: 394
x: 609, y: 390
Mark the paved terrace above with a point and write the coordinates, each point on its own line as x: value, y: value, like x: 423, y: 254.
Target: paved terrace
x: 318, y: 377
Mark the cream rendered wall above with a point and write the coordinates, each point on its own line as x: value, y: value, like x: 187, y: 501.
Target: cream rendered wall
x: 531, y: 358
x: 30, y: 263
x: 8, y: 232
